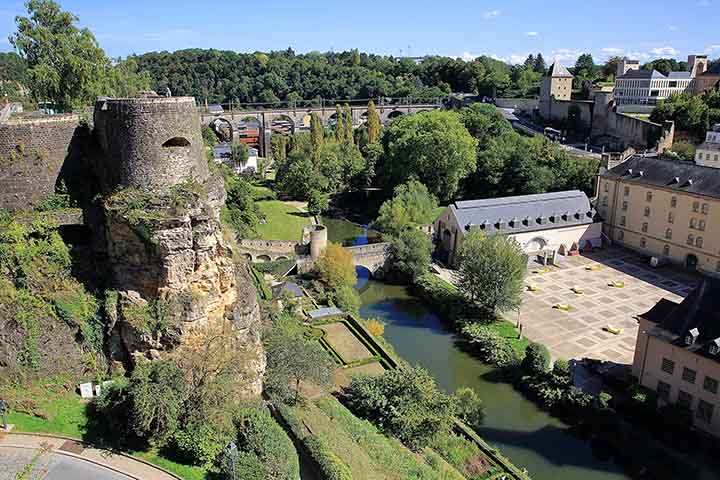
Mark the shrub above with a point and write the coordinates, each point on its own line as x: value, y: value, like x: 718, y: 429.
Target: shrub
x: 536, y: 360
x: 335, y: 267
x: 375, y: 327
x: 604, y: 400
x: 490, y: 346
x: 331, y: 466
x: 198, y: 443
x: 410, y: 252
x: 405, y: 403
x: 346, y: 299
x: 470, y: 408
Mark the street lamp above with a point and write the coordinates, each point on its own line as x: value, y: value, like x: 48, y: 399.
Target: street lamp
x: 232, y: 453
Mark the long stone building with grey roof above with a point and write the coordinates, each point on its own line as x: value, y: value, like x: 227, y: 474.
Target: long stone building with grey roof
x: 543, y: 224
x: 663, y: 208
x: 677, y: 354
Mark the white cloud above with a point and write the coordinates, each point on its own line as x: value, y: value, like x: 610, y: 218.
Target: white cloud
x: 663, y: 51
x: 498, y: 57
x: 672, y: 28
x: 565, y: 55
x: 467, y: 56
x: 491, y: 14
x: 612, y: 50
x: 531, y: 34
x: 516, y: 58
x: 712, y: 48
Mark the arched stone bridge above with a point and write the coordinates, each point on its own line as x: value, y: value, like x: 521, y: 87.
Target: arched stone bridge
x: 300, y: 117
x: 373, y: 256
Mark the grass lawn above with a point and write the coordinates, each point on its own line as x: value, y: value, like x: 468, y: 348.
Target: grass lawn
x: 50, y: 406
x: 508, y: 330
x: 284, y: 222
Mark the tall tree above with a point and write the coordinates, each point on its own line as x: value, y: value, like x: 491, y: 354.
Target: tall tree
x: 585, y: 62
x: 317, y: 135
x: 339, y: 125
x: 373, y: 123
x: 347, y: 124
x: 539, y: 66
x: 66, y: 66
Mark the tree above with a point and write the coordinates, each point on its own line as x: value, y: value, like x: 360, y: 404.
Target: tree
x: 239, y: 154
x: 491, y: 271
x: 317, y: 203
x: 124, y: 79
x: 404, y: 402
x: 293, y: 359
x: 317, y: 135
x: 410, y: 251
x: 158, y: 392
x: 539, y: 66
x: 470, y: 408
x: 339, y: 124
x: 585, y: 62
x: 411, y: 205
x: 335, y: 267
x: 66, y: 66
x: 434, y: 147
x: 536, y: 360
x: 373, y: 123
x: 685, y: 151
x: 347, y: 124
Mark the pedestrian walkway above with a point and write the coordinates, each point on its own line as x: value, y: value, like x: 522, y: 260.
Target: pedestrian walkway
x: 52, y: 457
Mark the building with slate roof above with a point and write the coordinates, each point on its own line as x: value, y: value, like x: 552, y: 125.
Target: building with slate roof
x: 677, y: 353
x: 708, y: 153
x: 663, y: 208
x: 640, y: 90
x: 546, y: 223
x: 708, y: 79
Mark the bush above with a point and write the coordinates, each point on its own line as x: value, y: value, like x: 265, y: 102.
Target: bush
x: 375, y: 327
x: 405, y: 403
x: 490, y: 346
x: 470, y: 408
x: 537, y: 359
x: 331, y: 466
x: 410, y: 251
x: 335, y: 267
x: 198, y: 443
x: 260, y: 436
x: 346, y: 299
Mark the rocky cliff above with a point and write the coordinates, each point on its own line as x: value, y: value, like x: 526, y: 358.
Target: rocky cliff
x: 174, y: 273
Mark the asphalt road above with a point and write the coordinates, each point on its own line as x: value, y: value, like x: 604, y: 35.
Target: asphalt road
x: 14, y: 462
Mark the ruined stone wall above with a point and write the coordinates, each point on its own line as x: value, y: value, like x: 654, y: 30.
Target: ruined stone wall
x: 150, y: 144
x: 32, y: 155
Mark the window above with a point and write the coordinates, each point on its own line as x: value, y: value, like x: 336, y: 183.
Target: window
x: 620, y: 235
x: 668, y: 366
x: 663, y: 390
x: 701, y: 225
x: 691, y: 239
x: 648, y: 196
x: 666, y: 250
x: 643, y: 242
x: 689, y: 375
x: 699, y: 242
x: 625, y: 206
x: 607, y: 187
x: 705, y: 208
x: 626, y: 191
x: 699, y: 155
x: 673, y: 202
x: 645, y: 227
x: 668, y: 233
x: 696, y: 206
x: 622, y: 220
x: 704, y: 411
x: 710, y: 384
x: 684, y: 399
x: 671, y: 217
x: 647, y: 211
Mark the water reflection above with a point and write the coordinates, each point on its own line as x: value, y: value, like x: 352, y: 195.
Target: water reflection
x: 529, y: 436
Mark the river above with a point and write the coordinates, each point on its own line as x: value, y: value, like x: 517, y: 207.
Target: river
x: 526, y: 434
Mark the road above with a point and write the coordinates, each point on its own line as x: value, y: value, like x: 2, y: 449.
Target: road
x: 33, y: 464
x: 526, y: 126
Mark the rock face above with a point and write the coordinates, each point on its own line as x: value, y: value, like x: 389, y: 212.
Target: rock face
x: 173, y: 269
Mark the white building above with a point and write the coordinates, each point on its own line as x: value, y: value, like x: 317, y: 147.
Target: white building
x: 545, y: 224
x: 708, y: 153
x: 639, y: 90
x: 222, y: 153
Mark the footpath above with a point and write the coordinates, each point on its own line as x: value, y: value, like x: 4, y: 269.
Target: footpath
x: 118, y: 463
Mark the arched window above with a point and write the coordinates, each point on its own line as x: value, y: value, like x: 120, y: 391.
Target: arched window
x: 176, y: 142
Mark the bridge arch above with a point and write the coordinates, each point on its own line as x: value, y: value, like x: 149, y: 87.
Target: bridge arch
x: 283, y: 124
x: 263, y: 258
x: 223, y: 128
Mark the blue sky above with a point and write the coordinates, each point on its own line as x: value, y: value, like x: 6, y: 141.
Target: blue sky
x: 508, y: 29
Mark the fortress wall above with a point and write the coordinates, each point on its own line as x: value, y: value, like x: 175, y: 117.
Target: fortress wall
x: 149, y: 143
x: 32, y: 155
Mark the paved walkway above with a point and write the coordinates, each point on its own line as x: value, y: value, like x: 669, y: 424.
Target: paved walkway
x: 55, y: 458
x: 579, y: 333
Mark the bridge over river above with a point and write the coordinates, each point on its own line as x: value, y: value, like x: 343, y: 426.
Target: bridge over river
x: 299, y: 117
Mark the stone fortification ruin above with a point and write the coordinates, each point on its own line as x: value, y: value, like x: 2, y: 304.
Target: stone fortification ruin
x: 154, y: 222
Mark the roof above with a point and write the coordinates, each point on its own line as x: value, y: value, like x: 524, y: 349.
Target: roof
x: 325, y: 312
x: 681, y: 176
x: 557, y: 70
x: 525, y: 213
x: 698, y: 313
x: 642, y: 74
x: 291, y: 287
x: 714, y: 70
x: 680, y: 75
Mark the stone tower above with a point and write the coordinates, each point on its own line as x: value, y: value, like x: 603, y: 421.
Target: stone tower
x: 149, y: 143
x: 625, y: 65
x: 697, y: 64
x: 556, y: 85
